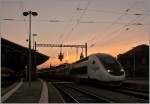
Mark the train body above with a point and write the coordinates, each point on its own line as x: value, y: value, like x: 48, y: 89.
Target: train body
x: 99, y: 66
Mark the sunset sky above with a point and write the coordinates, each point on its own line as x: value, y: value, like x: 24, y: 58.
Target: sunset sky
x: 108, y: 26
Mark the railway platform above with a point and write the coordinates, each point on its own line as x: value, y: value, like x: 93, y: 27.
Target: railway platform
x: 38, y: 92
x: 4, y: 90
x: 23, y: 93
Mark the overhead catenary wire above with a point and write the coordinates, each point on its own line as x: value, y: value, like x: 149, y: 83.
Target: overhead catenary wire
x: 68, y: 26
x: 106, y: 22
x: 134, y: 22
x: 108, y: 12
x: 82, y: 21
x: 119, y: 18
x: 121, y: 40
x: 60, y: 38
x: 69, y: 22
x: 115, y: 33
x: 78, y: 20
x: 109, y: 27
x: 115, y: 21
x: 56, y: 21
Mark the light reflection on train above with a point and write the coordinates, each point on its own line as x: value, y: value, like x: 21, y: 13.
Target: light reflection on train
x: 99, y: 66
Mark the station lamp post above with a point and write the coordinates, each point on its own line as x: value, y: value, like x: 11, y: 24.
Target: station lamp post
x: 30, y: 62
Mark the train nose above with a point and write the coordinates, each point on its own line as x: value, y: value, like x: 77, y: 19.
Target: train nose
x: 116, y: 72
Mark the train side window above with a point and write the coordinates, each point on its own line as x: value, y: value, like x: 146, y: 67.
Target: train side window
x: 84, y: 59
x: 80, y: 70
x: 93, y: 62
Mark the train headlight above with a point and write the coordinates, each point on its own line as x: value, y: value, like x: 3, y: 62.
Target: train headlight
x: 108, y: 71
x: 122, y: 70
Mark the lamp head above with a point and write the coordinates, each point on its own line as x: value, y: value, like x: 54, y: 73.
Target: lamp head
x: 27, y: 40
x: 25, y: 13
x: 34, y: 13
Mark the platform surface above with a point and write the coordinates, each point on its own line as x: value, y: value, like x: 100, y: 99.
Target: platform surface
x: 26, y: 93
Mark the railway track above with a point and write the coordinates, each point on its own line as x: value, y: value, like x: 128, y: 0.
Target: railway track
x: 125, y: 90
x: 105, y: 94
x: 128, y: 91
x: 137, y: 90
x: 75, y: 95
x: 139, y: 93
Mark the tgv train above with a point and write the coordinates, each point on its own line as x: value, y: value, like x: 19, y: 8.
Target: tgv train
x: 99, y: 66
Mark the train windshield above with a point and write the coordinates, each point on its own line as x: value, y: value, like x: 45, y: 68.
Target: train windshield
x: 111, y: 64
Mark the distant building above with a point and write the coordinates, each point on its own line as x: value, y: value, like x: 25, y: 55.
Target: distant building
x: 136, y: 61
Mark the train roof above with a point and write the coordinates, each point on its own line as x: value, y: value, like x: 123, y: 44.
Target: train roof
x: 102, y: 54
x: 94, y: 54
